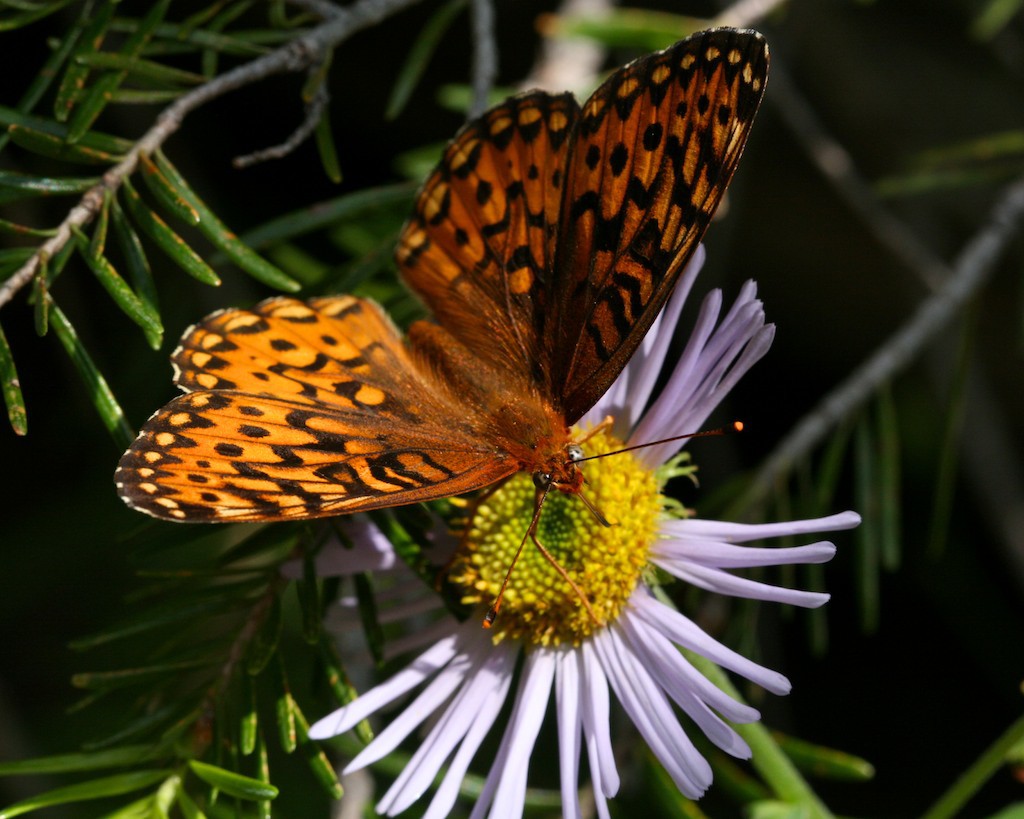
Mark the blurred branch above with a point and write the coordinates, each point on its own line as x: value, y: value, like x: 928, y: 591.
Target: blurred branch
x: 969, y: 272
x: 568, y: 62
x: 485, y: 54
x: 745, y: 13
x: 953, y: 287
x: 306, y: 50
x: 314, y: 110
x: 324, y: 9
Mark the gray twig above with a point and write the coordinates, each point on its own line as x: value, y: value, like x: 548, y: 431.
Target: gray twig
x: 744, y: 13
x: 324, y: 9
x: 485, y: 55
x: 308, y: 49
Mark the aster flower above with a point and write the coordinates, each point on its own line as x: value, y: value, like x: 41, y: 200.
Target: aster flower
x: 627, y: 642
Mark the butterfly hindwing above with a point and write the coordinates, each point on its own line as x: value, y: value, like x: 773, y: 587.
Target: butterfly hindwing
x: 303, y: 410
x: 654, y: 150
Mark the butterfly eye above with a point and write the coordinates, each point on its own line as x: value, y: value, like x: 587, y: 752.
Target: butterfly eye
x: 542, y: 480
x: 575, y: 453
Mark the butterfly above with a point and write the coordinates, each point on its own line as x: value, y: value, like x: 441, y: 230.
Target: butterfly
x: 545, y: 243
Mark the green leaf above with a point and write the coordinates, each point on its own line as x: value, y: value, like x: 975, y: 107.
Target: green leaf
x: 143, y: 808
x: 72, y: 84
x: 164, y: 797
x: 263, y: 806
x: 308, y: 591
x: 326, y: 148
x: 830, y: 468
x: 166, y: 239
x: 95, y: 789
x: 889, y: 479
x: 47, y: 74
x: 151, y: 620
x: 419, y: 56
x: 319, y: 764
x: 12, y: 258
x: 189, y: 809
x: 41, y: 299
x: 103, y: 399
x: 324, y: 214
x: 963, y: 789
x: 95, y: 99
x: 143, y: 96
x: 775, y: 809
x: 993, y: 18
x: 286, y: 709
x: 96, y: 140
x: 952, y: 428
x: 218, y: 24
x: 25, y: 230
x: 173, y: 720
x: 342, y: 688
x: 233, y: 784
x: 134, y: 256
x: 205, y: 14
x: 98, y: 243
x: 866, y: 536
x: 372, y: 628
x: 264, y: 644
x: 44, y: 144
x: 31, y: 15
x: 825, y: 763
x: 169, y: 195
x: 1014, y: 811
x: 137, y: 67
x: 132, y: 676
x: 249, y: 723
x: 47, y: 186
x: 218, y: 233
x: 625, y: 28
x: 120, y: 292
x: 88, y: 761
x: 663, y: 797
x: 13, y: 399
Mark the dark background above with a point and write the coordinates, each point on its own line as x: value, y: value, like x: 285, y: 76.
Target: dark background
x: 921, y: 696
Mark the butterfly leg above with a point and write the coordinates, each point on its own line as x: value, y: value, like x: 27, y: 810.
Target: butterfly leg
x: 582, y: 595
x: 604, y: 426
x: 538, y: 504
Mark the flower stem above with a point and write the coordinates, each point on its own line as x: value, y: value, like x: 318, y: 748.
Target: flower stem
x: 770, y: 761
x: 977, y: 775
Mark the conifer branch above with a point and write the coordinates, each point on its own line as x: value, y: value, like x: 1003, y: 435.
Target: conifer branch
x: 305, y: 51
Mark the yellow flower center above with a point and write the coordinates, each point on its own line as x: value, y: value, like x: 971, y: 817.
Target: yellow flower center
x: 605, y: 563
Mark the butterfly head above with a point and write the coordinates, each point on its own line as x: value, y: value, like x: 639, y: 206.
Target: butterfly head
x: 562, y: 472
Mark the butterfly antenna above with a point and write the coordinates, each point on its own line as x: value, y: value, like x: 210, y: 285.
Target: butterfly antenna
x: 593, y: 509
x: 736, y: 426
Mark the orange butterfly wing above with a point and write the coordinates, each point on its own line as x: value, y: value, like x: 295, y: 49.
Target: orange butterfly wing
x: 654, y: 151
x: 480, y: 244
x: 302, y: 410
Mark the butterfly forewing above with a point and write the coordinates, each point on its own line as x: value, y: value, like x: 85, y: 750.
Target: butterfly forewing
x: 479, y: 246
x: 304, y: 410
x: 655, y: 148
